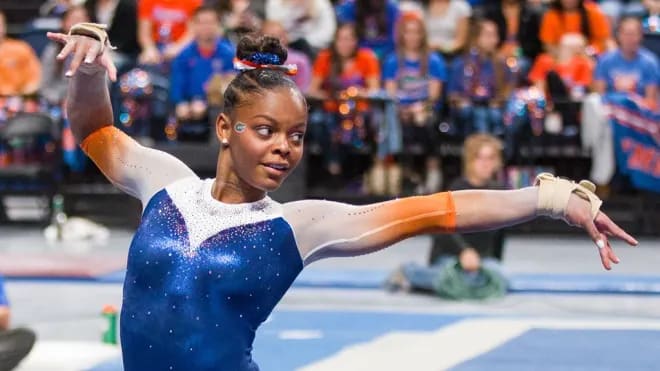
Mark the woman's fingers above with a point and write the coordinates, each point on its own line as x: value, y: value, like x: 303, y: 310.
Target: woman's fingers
x: 76, y: 60
x: 92, y: 52
x: 106, y: 61
x: 66, y: 50
x: 606, y: 225
x: 57, y: 37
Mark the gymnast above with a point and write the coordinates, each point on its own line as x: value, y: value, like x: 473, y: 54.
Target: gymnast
x: 212, y: 257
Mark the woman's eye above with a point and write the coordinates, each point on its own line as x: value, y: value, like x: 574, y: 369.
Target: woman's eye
x: 264, y: 130
x: 298, y: 137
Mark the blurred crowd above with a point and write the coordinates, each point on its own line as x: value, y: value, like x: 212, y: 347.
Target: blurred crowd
x: 386, y: 80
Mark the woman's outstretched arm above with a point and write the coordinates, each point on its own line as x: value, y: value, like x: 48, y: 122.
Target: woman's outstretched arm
x: 330, y: 229
x: 133, y: 168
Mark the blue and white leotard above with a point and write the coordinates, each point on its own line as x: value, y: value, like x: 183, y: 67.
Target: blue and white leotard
x: 202, y: 275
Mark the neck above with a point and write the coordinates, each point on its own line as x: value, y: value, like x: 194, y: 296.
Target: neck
x: 207, y: 43
x: 229, y: 188
x: 411, y: 54
x: 475, y: 181
x: 629, y: 53
x: 510, y: 5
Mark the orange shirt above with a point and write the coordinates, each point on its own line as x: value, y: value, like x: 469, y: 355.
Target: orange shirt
x: 578, y: 70
x: 356, y: 72
x: 20, y: 71
x: 169, y: 16
x: 555, y: 24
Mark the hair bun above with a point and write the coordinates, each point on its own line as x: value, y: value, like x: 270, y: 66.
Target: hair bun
x: 261, y: 50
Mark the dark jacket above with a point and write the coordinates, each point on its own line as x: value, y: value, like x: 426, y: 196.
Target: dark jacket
x: 528, y: 30
x: 122, y: 31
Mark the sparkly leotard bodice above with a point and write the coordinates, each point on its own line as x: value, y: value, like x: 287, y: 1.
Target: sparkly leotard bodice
x: 202, y: 275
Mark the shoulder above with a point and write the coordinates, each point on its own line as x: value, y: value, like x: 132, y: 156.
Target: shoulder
x: 392, y: 60
x: 593, y: 9
x: 435, y: 59
x: 366, y: 54
x: 324, y: 55
x: 18, y: 46
x: 648, y: 57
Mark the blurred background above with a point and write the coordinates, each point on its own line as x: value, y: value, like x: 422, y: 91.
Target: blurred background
x: 405, y: 98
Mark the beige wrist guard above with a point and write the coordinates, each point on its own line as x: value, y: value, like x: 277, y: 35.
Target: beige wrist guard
x: 554, y: 193
x: 94, y: 30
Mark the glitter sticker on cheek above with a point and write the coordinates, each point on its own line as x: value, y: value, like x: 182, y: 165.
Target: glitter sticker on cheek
x: 239, y: 127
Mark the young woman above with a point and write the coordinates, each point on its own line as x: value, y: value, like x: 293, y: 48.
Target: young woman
x: 213, y: 257
x: 576, y: 16
x: 479, y: 83
x: 447, y: 22
x: 415, y: 75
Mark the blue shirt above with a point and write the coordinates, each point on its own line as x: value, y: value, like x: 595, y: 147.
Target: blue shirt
x: 474, y: 78
x: 381, y: 44
x: 643, y: 69
x: 3, y: 298
x: 412, y: 85
x: 191, y: 70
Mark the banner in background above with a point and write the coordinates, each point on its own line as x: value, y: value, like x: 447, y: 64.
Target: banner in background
x: 636, y: 135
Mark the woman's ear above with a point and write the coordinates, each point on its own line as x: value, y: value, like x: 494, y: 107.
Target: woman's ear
x: 223, y: 128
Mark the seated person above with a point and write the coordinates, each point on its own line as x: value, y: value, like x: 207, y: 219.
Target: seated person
x: 415, y: 76
x: 479, y: 84
x: 576, y: 16
x: 560, y: 83
x: 343, y: 68
x: 15, y: 344
x: 464, y: 266
x: 631, y: 70
x: 208, y: 55
x: 163, y: 29
x: 20, y: 71
x: 374, y: 22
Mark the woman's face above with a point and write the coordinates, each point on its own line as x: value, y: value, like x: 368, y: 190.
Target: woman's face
x: 486, y: 163
x: 269, y: 145
x: 346, y: 42
x: 412, y: 35
x: 488, y: 37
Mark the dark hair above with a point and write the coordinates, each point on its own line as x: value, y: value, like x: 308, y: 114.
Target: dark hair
x: 365, y: 9
x: 205, y: 8
x: 629, y: 18
x: 258, y: 80
x: 585, y: 28
x: 337, y: 61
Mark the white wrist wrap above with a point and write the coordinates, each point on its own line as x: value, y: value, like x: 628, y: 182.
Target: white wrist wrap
x: 96, y: 31
x: 554, y: 193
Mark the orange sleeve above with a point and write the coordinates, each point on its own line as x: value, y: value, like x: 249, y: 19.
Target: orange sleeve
x: 145, y: 7
x: 369, y: 64
x: 327, y: 229
x: 540, y: 68
x: 599, y: 27
x: 550, y: 30
x: 584, y: 72
x: 137, y: 170
x: 322, y: 65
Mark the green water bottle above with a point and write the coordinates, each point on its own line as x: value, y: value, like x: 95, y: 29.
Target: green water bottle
x: 110, y: 334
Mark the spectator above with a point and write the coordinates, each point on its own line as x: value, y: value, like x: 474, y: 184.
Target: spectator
x: 54, y: 85
x: 163, y: 28
x: 631, y: 70
x: 342, y: 68
x: 20, y: 71
x: 415, y: 76
x: 238, y: 18
x: 121, y: 18
x: 309, y: 24
x: 448, y: 23
x: 576, y: 16
x: 479, y: 83
x: 374, y: 21
x: 464, y: 266
x: 304, y: 75
x: 518, y: 24
x: 207, y: 55
x: 15, y: 344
